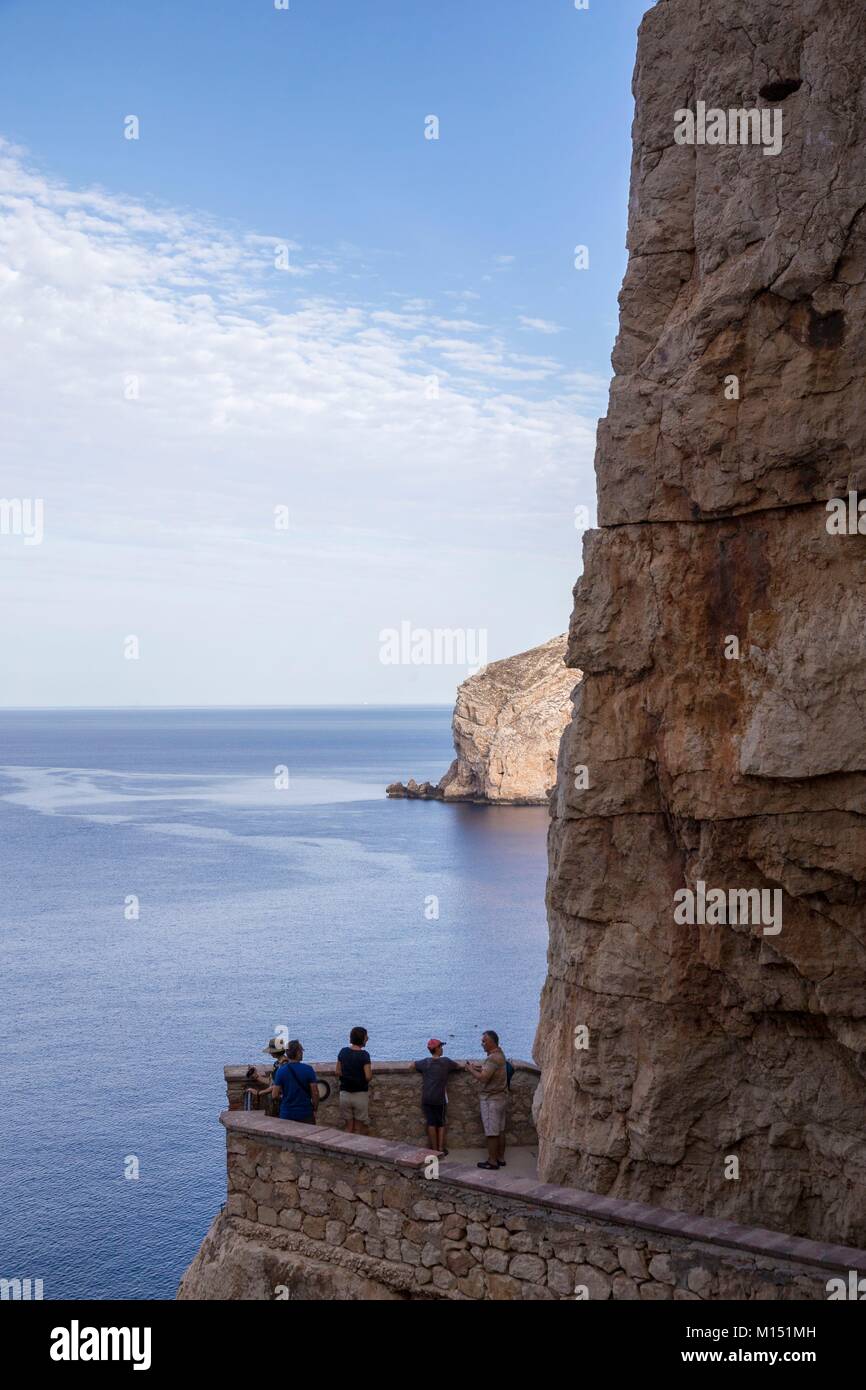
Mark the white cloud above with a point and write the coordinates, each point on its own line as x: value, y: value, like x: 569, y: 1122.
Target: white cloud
x: 539, y: 325
x: 414, y: 451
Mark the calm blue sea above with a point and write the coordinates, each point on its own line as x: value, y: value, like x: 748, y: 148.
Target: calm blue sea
x: 258, y: 907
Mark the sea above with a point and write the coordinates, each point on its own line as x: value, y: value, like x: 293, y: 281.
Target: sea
x: 175, y: 885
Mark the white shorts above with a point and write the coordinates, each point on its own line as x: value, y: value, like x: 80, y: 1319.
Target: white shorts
x: 355, y: 1105
x: 493, y: 1110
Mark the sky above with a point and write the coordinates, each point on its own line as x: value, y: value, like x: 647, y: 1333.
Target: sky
x: 291, y: 386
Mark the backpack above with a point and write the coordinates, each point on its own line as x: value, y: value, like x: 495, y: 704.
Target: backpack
x: 509, y: 1072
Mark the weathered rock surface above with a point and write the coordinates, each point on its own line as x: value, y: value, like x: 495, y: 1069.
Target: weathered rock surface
x: 508, y: 721
x: 713, y: 1042
x: 231, y: 1265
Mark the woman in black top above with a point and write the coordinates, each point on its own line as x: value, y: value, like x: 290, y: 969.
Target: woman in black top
x: 354, y: 1070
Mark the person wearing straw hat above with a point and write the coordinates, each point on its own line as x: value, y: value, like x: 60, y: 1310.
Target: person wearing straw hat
x: 276, y: 1049
x: 258, y: 1094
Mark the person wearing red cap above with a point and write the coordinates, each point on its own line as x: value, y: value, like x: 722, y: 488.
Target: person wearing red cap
x: 435, y: 1071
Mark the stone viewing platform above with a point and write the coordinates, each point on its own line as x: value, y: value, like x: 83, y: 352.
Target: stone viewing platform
x: 316, y: 1213
x: 395, y: 1103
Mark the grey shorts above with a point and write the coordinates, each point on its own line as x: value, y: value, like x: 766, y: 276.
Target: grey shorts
x: 355, y: 1105
x: 493, y: 1113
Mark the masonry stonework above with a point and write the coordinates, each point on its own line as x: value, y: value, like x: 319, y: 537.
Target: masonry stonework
x: 315, y: 1214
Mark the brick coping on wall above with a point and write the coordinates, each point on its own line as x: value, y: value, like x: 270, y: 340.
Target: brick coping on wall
x: 572, y: 1201
x: 236, y: 1074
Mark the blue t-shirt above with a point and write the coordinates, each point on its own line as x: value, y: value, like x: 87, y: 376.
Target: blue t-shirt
x: 296, y: 1079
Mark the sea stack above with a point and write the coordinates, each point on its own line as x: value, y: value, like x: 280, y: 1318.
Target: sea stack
x: 508, y: 721
x: 717, y: 1066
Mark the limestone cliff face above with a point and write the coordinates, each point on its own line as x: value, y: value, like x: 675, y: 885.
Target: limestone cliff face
x: 508, y: 721
x: 708, y: 1043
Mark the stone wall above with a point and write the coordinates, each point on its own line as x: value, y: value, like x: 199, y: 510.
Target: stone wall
x: 395, y: 1103
x: 313, y: 1213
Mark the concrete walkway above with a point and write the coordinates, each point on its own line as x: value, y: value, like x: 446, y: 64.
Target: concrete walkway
x: 520, y: 1163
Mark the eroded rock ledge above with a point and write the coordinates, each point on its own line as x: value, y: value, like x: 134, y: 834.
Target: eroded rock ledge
x: 508, y: 721
x: 725, y: 1070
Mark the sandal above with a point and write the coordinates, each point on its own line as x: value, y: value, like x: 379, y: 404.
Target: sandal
x: 491, y: 1167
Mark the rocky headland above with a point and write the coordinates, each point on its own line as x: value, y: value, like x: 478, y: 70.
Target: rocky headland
x: 508, y: 721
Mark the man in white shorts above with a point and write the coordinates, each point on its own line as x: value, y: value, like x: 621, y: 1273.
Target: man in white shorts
x: 492, y: 1076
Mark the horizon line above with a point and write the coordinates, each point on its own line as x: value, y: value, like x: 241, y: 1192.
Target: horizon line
x: 363, y: 704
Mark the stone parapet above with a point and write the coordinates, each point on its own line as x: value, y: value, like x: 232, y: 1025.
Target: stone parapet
x: 395, y: 1103
x: 317, y: 1213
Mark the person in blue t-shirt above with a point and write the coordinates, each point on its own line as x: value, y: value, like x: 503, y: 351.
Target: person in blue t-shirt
x: 294, y: 1086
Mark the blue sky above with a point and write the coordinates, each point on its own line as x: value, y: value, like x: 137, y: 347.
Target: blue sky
x: 418, y: 387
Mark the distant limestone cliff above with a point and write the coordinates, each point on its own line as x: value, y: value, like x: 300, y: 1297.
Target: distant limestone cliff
x: 507, y: 724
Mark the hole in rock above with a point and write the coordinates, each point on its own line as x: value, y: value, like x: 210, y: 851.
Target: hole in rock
x: 826, y: 330
x: 815, y: 330
x: 778, y: 91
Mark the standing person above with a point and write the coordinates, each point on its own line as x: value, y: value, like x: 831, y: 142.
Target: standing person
x: 354, y: 1070
x: 294, y: 1087
x: 258, y: 1093
x: 492, y: 1076
x: 435, y: 1071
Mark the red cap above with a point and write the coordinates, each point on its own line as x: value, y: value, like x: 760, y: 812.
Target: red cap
x: 433, y: 1044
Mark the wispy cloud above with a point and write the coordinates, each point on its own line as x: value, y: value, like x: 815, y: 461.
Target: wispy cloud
x: 166, y: 385
x: 539, y: 325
